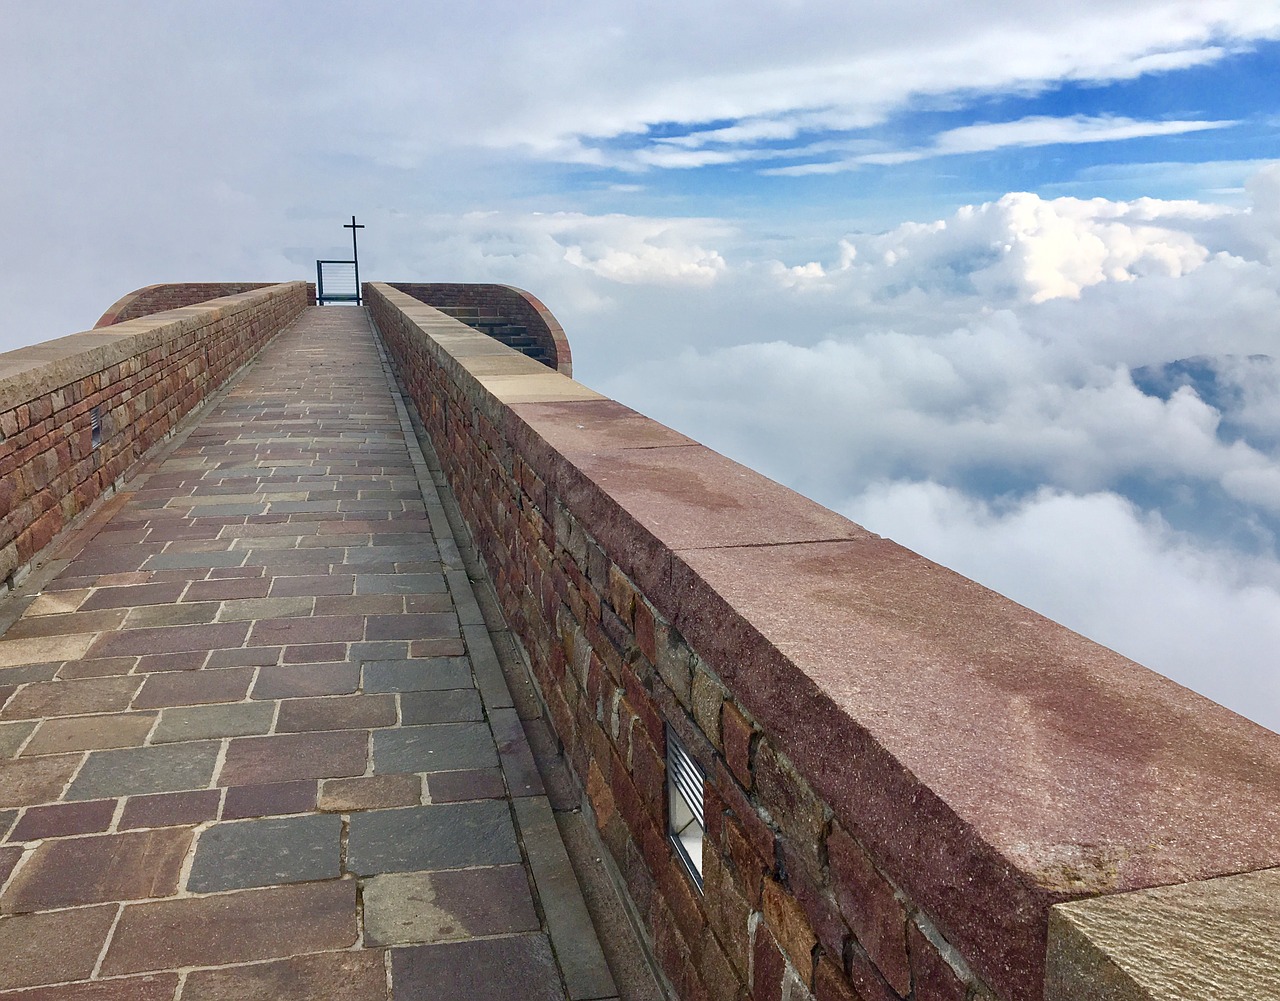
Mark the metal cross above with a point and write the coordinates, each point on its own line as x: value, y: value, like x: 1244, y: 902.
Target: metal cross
x: 355, y: 256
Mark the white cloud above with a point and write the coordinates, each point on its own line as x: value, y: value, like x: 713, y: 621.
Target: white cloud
x: 1208, y: 618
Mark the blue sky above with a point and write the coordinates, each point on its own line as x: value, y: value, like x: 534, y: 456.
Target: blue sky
x: 999, y: 281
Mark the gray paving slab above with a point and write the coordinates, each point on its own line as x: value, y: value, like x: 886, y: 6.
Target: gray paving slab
x: 133, y: 771
x: 459, y: 705
x: 426, y: 674
x: 437, y: 747
x: 444, y: 836
x: 204, y: 722
x: 514, y: 968
x: 230, y: 856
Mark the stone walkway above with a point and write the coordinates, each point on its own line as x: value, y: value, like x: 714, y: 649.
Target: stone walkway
x: 255, y: 741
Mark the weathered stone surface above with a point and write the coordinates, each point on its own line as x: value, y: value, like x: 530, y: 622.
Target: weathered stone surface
x: 446, y: 836
x: 252, y: 760
x: 240, y: 927
x: 1218, y: 939
x: 447, y: 906
x: 352, y: 976
x: 83, y: 733
x: 138, y: 770
x: 371, y: 792
x: 71, y: 871
x: 211, y: 721
x: 231, y: 856
x: 27, y: 781
x: 61, y: 820
x: 518, y: 968
x: 439, y: 747
x: 51, y: 947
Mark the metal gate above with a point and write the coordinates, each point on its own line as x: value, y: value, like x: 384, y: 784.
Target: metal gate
x: 337, y: 281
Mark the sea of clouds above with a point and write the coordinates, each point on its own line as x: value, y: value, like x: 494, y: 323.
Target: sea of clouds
x: 1076, y: 402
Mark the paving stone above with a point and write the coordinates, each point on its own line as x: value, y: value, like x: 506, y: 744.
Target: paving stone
x: 448, y: 836
x: 258, y: 760
x: 228, y: 589
x: 170, y: 809
x: 381, y: 650
x: 522, y: 775
x: 66, y: 872
x: 242, y: 927
x: 7, y: 817
x: 314, y: 653
x: 474, y: 783
x: 134, y: 596
x: 355, y: 712
x: 68, y: 698
x: 437, y: 747
x: 252, y: 656
x: 370, y: 792
x: 230, y: 684
x: 171, y: 639
x: 84, y: 733
x: 28, y: 673
x: 28, y: 781
x: 136, y: 771
x: 208, y: 721
x: 514, y: 968
x: 427, y: 625
x: 428, y: 602
x: 153, y: 987
x: 312, y: 585
x: 460, y: 705
x: 64, y: 819
x: 186, y: 613
x: 269, y: 799
x: 320, y: 629
x: 96, y: 667
x: 351, y: 976
x: 360, y: 604
x: 288, y: 681
x: 264, y: 608
x: 232, y: 856
x: 160, y: 662
x: 65, y: 624
x: 431, y: 674
x: 12, y: 735
x: 54, y: 603
x: 418, y: 583
x: 447, y: 906
x: 52, y: 947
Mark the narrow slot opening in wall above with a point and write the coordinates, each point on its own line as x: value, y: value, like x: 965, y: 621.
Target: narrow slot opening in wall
x: 95, y: 425
x: 686, y: 824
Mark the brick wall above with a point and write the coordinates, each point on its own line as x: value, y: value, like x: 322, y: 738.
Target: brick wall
x: 173, y: 295
x: 142, y: 376
x: 514, y: 304
x: 905, y: 772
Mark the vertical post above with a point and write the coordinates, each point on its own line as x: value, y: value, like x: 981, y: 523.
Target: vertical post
x: 355, y: 256
x: 319, y: 284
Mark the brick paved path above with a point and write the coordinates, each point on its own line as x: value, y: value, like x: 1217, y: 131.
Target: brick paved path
x: 247, y: 743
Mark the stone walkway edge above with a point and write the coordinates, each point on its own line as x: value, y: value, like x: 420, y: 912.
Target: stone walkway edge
x: 255, y: 737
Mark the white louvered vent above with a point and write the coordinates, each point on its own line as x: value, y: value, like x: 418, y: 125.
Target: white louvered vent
x: 686, y: 823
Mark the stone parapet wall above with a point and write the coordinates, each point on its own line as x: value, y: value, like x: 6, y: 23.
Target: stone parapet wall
x: 514, y: 304
x: 173, y: 295
x: 905, y: 773
x: 142, y: 377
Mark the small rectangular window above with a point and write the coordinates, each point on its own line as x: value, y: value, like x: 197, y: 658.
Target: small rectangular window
x: 95, y: 424
x: 686, y: 824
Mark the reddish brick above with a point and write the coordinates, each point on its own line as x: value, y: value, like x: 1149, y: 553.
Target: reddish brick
x: 830, y: 984
x: 738, y: 736
x: 869, y: 904
x: 269, y: 800
x: 229, y: 684
x: 258, y: 760
x: 64, y: 819
x: 170, y: 809
x: 67, y: 872
x: 231, y: 928
x: 767, y: 966
x: 932, y: 976
x: 52, y: 947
